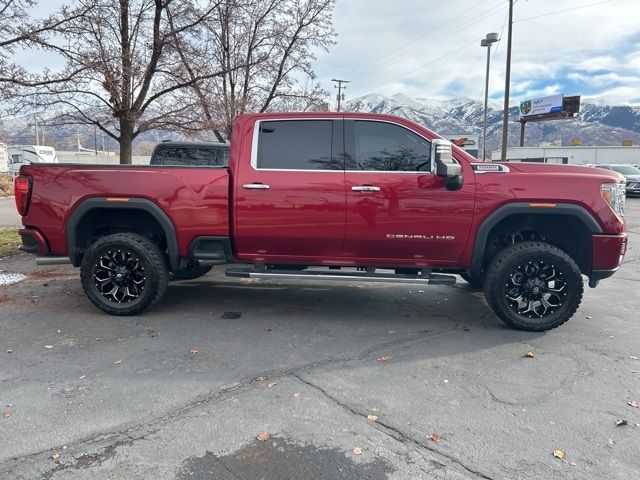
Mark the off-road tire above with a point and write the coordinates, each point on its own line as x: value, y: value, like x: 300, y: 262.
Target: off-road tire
x: 189, y: 273
x: 153, y: 264
x: 499, y: 274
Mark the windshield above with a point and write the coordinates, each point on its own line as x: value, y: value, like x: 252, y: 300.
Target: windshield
x: 625, y: 169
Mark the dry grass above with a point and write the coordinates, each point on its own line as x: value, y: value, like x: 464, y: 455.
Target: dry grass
x: 9, y: 241
x: 6, y: 185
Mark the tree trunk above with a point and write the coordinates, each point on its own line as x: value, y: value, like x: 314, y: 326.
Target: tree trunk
x: 125, y: 141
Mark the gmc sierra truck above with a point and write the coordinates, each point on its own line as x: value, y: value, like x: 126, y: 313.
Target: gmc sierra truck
x: 333, y: 196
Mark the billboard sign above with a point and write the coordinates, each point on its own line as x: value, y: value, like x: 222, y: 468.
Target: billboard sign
x: 540, y: 106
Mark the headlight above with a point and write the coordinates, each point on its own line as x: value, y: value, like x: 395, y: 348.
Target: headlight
x: 615, y: 195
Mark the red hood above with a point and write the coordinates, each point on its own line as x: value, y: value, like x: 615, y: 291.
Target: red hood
x: 572, y: 171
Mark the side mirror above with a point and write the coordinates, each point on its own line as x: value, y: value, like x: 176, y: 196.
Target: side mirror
x: 443, y: 165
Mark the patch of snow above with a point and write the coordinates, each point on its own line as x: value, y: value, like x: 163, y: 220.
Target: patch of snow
x: 8, y: 278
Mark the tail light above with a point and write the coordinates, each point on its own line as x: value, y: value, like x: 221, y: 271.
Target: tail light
x: 22, y: 188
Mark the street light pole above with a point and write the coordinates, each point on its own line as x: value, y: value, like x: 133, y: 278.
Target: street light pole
x: 486, y: 42
x: 507, y: 82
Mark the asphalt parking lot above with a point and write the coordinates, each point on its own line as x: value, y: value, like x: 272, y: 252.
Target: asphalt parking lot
x: 349, y: 381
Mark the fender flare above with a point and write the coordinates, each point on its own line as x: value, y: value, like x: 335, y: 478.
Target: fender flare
x: 148, y: 206
x: 518, y: 208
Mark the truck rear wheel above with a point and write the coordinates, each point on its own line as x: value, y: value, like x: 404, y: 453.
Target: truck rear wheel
x: 123, y: 273
x: 533, y: 286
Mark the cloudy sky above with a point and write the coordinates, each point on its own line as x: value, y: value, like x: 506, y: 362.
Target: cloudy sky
x: 431, y: 48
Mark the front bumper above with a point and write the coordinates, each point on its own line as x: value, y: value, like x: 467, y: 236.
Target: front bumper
x: 608, y: 252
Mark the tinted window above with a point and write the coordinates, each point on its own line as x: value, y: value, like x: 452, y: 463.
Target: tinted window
x: 388, y: 147
x: 197, y: 156
x: 297, y: 144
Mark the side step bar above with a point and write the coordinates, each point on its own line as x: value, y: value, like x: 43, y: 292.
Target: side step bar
x: 426, y: 278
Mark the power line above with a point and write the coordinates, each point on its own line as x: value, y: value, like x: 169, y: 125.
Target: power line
x: 461, y: 26
x: 427, y: 34
x: 425, y: 65
x: 561, y: 11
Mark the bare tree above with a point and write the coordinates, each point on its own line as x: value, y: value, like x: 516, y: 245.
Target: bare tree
x: 123, y: 74
x: 265, y: 50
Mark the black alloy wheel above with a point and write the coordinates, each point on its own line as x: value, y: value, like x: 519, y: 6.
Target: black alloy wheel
x: 533, y: 286
x: 124, y: 273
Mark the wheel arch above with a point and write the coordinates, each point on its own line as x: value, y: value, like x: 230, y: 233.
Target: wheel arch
x: 128, y: 205
x: 518, y: 210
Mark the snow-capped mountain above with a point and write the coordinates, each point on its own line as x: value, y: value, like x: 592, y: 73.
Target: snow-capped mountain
x: 595, y: 125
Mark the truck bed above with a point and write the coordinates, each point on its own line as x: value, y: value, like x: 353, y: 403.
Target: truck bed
x: 196, y: 199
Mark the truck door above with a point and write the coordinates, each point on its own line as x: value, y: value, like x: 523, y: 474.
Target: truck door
x: 290, y: 202
x: 396, y: 209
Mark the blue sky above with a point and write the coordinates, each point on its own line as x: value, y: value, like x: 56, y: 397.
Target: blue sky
x: 432, y: 48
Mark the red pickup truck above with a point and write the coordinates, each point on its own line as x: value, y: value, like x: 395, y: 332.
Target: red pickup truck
x: 333, y: 196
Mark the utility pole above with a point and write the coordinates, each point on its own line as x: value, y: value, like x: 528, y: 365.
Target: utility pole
x: 95, y: 140
x: 35, y: 124
x: 340, y: 87
x: 507, y: 82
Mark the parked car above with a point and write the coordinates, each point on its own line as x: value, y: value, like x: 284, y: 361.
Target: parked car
x: 333, y: 196
x: 212, y: 154
x: 630, y: 173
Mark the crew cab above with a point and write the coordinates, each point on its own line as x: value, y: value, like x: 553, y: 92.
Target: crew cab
x: 333, y: 196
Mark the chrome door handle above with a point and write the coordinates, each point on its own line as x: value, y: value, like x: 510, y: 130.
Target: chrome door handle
x: 365, y: 188
x: 255, y: 186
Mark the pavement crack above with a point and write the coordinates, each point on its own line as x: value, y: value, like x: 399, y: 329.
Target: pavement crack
x: 393, y: 431
x: 107, y: 439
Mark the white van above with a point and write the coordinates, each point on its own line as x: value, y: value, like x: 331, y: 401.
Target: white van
x: 18, y: 155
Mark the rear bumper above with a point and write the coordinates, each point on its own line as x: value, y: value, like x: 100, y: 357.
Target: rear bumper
x: 33, y: 241
x: 608, y: 252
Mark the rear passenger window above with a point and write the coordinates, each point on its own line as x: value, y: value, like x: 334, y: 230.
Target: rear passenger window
x: 190, y: 156
x: 296, y: 145
x: 386, y: 147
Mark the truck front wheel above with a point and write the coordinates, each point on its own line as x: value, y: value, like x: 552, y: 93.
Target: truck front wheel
x: 123, y: 273
x: 533, y: 286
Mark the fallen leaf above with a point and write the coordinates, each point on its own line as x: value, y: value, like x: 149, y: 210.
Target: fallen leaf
x: 7, y: 413
x: 272, y: 384
x: 98, y: 339
x: 634, y: 404
x: 48, y: 347
x: 391, y: 332
x: 118, y: 361
x: 528, y: 355
x: 434, y: 437
x: 384, y: 358
x: 373, y: 418
x: 611, y: 441
x: 344, y: 430
x: 296, y: 395
x: 638, y: 425
x: 357, y: 451
x: 9, y: 351
x: 559, y: 454
x: 621, y: 423
x: 632, y: 357
x: 82, y: 377
x: 446, y: 381
x: 55, y: 455
x: 267, y: 329
x: 587, y: 317
x: 194, y: 350
x: 263, y: 436
x: 64, y: 447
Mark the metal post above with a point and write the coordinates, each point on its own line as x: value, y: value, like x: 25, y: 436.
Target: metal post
x: 35, y: 124
x: 486, y: 103
x: 95, y: 140
x: 505, y: 118
x: 522, y: 125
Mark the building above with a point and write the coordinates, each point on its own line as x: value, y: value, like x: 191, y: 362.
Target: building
x: 4, y: 165
x: 573, y: 155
